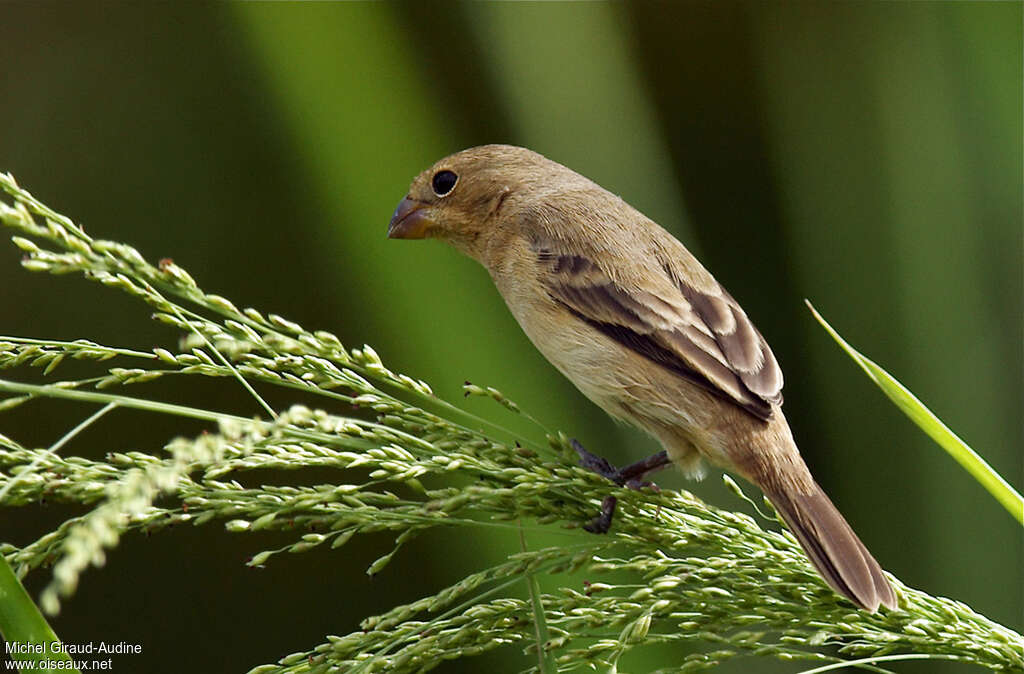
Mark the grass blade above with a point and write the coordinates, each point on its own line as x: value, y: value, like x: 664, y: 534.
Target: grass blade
x: 933, y: 426
x: 23, y: 626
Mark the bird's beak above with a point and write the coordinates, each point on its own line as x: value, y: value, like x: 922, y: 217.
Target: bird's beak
x: 410, y: 220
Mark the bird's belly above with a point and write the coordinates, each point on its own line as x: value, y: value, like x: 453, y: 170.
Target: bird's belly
x: 598, y: 366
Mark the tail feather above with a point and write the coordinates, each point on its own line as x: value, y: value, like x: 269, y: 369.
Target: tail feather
x: 833, y: 547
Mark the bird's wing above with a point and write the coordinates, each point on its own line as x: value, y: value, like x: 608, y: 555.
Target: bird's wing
x: 703, y: 336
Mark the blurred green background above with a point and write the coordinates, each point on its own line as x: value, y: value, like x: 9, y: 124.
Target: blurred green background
x: 864, y: 155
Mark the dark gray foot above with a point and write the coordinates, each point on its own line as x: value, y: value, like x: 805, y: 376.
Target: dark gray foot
x: 603, y: 522
x: 631, y: 476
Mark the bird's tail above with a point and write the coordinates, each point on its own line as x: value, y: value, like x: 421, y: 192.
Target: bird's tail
x: 832, y: 546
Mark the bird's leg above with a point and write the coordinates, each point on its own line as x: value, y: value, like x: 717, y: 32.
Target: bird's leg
x: 628, y: 476
x: 631, y: 476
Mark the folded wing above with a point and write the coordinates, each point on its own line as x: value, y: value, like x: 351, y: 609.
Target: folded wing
x: 704, y: 337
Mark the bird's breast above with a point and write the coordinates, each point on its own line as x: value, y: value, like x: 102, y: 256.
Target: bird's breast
x: 592, y: 362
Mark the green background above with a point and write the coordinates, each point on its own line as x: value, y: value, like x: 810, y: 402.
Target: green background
x: 864, y: 156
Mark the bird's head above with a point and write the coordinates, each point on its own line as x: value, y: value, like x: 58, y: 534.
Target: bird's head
x: 464, y: 197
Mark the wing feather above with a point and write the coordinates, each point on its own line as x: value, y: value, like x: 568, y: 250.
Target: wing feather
x: 704, y: 337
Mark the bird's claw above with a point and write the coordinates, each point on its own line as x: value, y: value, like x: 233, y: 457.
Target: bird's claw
x: 594, y: 463
x: 603, y: 522
x: 630, y: 476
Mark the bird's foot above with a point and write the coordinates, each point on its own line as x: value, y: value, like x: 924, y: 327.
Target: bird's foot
x: 603, y: 522
x: 631, y: 477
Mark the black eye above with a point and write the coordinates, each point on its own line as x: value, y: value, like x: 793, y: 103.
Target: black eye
x: 443, y: 182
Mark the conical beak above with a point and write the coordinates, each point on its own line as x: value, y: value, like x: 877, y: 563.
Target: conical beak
x: 410, y: 220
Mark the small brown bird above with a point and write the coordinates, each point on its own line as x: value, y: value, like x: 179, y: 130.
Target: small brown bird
x: 624, y: 311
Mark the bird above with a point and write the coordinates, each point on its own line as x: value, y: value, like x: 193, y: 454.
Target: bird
x: 623, y: 310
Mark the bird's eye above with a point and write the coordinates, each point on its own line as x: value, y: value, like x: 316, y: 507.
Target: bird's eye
x: 443, y: 182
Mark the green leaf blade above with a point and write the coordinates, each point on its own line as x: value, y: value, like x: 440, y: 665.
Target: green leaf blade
x: 22, y: 623
x: 926, y: 420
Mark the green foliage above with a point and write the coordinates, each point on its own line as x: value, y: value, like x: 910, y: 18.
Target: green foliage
x: 22, y: 623
x: 926, y: 420
x: 674, y: 570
